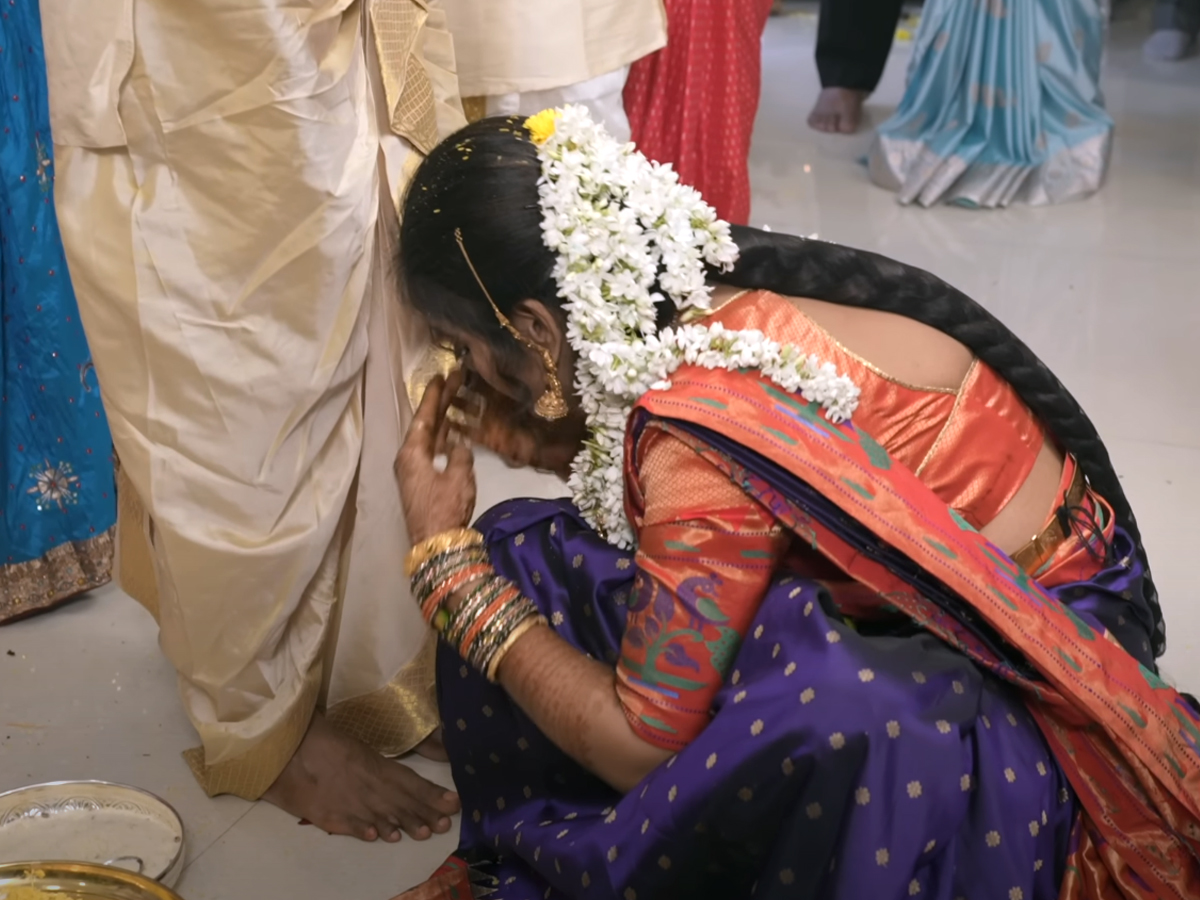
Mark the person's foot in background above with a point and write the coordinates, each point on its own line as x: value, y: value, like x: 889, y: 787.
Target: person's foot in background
x: 1169, y: 45
x: 1176, y: 25
x: 837, y: 111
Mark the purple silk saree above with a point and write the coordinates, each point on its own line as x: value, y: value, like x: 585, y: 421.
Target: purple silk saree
x: 839, y: 763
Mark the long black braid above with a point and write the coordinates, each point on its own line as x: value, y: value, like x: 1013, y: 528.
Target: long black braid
x: 823, y: 271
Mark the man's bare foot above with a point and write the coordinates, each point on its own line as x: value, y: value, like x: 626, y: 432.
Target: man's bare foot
x: 838, y: 111
x: 433, y: 748
x: 344, y: 787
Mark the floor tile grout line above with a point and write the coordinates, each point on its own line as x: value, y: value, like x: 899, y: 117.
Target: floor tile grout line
x: 216, y: 840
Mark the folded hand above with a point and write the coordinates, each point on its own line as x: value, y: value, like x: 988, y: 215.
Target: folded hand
x: 435, y: 498
x: 520, y: 439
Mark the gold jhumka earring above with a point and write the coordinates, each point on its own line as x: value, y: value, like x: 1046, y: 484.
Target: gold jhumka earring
x: 552, y: 405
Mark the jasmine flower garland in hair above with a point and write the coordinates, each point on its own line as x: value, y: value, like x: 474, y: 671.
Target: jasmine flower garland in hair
x: 628, y: 235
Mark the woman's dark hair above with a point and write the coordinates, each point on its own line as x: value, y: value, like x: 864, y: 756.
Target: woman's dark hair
x: 482, y: 183
x: 483, y: 180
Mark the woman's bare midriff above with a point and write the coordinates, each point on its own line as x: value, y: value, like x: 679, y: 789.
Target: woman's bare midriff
x: 912, y: 352
x: 1026, y: 514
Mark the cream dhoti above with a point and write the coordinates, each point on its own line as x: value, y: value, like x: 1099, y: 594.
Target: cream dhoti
x: 228, y: 179
x: 519, y: 57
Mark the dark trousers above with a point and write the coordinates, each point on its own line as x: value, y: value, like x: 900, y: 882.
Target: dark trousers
x: 854, y: 38
x: 1169, y: 15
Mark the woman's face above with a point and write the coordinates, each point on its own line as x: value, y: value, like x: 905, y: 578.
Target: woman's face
x: 508, y: 425
x: 543, y: 337
x: 476, y: 357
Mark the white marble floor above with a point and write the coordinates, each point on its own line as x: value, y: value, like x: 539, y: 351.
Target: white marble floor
x: 1107, y: 291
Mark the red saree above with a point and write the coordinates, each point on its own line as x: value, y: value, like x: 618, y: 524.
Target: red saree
x: 693, y: 103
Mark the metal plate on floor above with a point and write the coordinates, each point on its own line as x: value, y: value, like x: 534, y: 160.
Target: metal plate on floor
x: 77, y: 881
x: 92, y: 822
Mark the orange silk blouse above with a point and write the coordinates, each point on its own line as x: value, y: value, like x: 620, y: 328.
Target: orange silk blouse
x: 974, y: 447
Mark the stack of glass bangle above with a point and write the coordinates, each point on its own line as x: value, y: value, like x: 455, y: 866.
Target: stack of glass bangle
x: 491, y: 614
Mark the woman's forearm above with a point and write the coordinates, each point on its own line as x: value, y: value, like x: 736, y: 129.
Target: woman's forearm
x: 573, y: 700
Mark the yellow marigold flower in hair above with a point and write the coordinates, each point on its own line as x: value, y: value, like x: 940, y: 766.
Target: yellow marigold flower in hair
x: 542, y: 126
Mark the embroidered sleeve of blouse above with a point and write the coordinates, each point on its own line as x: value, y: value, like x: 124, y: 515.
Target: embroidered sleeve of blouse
x: 706, y: 554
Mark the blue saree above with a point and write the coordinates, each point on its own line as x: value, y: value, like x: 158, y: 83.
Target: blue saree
x: 56, y: 458
x: 1003, y: 105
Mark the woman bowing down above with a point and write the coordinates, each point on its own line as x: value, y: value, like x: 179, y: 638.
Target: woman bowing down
x: 790, y: 636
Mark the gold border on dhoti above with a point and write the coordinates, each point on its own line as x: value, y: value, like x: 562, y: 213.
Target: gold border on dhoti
x: 134, y: 564
x: 396, y: 717
x: 251, y: 774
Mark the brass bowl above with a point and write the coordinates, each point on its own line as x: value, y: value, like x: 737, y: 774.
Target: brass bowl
x: 77, y: 881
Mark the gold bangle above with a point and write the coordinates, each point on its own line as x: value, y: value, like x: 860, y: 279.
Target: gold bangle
x: 502, y: 651
x: 454, y: 539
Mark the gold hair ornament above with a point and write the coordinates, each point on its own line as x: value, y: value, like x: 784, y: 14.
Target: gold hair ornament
x: 552, y: 405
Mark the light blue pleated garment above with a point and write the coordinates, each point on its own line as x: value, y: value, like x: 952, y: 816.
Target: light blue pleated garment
x: 1003, y: 105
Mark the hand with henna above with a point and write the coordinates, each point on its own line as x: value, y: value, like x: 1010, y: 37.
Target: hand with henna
x: 435, y: 497
x: 495, y: 421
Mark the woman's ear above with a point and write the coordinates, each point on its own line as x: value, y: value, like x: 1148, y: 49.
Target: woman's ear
x: 541, y: 325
